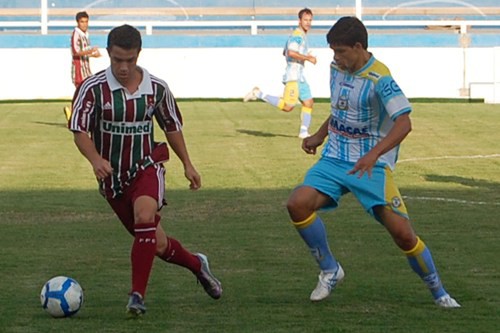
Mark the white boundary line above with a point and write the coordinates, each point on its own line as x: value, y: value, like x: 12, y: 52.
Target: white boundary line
x: 467, y: 202
x: 451, y: 200
x: 416, y: 159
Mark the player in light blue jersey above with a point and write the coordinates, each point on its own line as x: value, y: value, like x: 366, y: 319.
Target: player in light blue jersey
x: 368, y: 121
x: 296, y: 52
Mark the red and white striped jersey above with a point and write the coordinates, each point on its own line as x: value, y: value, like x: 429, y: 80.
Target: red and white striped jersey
x: 80, y: 65
x: 121, y: 124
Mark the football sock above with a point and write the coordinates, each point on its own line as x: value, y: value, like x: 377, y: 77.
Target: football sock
x: 305, y: 117
x: 273, y: 100
x: 142, y: 256
x: 176, y: 254
x: 313, y: 232
x: 420, y: 260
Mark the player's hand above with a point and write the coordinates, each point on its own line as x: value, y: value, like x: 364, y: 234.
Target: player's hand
x: 102, y: 168
x: 95, y: 52
x: 310, y: 144
x: 364, y: 164
x: 193, y: 176
x: 311, y: 58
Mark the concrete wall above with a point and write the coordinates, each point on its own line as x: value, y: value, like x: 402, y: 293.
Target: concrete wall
x: 41, y: 73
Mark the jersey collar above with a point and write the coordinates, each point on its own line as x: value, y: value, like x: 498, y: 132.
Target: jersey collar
x: 145, y: 87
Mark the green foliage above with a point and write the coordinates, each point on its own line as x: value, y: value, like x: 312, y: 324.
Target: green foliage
x: 53, y: 222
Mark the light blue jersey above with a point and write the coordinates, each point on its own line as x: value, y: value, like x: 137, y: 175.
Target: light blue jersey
x: 364, y: 106
x: 295, y: 68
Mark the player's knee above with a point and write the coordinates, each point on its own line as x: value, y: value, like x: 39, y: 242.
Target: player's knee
x: 144, y: 217
x: 297, y: 207
x: 405, y: 239
x: 287, y: 108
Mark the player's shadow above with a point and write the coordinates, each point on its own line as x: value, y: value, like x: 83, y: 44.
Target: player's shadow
x: 263, y: 134
x: 63, y: 125
x: 469, y: 182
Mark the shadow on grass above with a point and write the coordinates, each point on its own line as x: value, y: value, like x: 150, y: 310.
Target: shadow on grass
x: 61, y: 124
x: 255, y: 203
x: 263, y: 134
x: 257, y: 254
x: 469, y: 182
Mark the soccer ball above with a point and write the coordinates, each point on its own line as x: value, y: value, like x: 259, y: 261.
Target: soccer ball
x: 61, y: 296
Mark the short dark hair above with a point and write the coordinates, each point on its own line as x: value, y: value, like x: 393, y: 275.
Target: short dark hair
x: 305, y: 11
x: 126, y: 37
x: 347, y: 31
x: 81, y: 15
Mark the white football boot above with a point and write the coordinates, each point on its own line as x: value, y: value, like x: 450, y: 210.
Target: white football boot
x: 447, y: 301
x: 252, y: 95
x: 327, y: 282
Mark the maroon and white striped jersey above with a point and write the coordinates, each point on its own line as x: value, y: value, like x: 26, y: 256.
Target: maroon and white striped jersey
x: 80, y: 65
x: 121, y: 123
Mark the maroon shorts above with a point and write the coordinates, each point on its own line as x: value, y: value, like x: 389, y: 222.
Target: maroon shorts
x: 149, y: 182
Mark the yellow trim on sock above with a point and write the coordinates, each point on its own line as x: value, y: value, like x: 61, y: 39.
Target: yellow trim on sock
x: 416, y: 253
x: 417, y: 249
x: 281, y: 104
x: 306, y: 109
x: 307, y: 222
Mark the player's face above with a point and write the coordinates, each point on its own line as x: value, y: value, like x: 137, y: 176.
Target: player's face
x: 348, y: 57
x: 123, y: 63
x: 305, y: 22
x: 83, y: 24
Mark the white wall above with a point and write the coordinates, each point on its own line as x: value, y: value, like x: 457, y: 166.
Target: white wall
x: 232, y: 72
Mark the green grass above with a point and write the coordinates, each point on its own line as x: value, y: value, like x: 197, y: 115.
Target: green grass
x: 53, y: 222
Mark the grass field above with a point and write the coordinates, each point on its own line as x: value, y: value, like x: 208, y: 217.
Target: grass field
x: 53, y: 222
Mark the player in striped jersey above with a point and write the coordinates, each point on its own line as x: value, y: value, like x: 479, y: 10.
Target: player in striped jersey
x: 117, y: 106
x: 368, y: 121
x: 81, y: 51
x: 296, y: 52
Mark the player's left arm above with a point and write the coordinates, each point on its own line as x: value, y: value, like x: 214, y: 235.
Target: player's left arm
x: 178, y: 145
x: 401, y: 128
x: 169, y: 118
x: 302, y: 57
x: 398, y: 108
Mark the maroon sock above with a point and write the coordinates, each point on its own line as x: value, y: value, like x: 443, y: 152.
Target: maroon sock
x: 176, y: 254
x: 142, y: 256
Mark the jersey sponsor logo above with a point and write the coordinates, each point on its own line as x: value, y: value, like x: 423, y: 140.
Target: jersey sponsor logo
x: 348, y: 131
x: 107, y: 106
x: 126, y: 128
x: 390, y: 88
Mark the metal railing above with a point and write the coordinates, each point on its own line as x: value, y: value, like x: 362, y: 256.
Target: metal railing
x: 44, y: 23
x: 253, y: 27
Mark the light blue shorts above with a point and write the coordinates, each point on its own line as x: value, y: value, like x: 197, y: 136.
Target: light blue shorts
x: 304, y: 91
x: 329, y: 176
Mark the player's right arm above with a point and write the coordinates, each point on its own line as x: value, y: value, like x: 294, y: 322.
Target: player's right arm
x: 78, y: 51
x: 102, y: 168
x: 82, y: 115
x: 310, y: 144
x: 302, y: 57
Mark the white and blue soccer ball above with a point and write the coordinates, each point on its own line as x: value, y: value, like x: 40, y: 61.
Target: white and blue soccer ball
x: 61, y: 296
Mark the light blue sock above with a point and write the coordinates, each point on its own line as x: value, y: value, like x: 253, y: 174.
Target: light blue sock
x: 313, y: 232
x: 273, y: 100
x: 420, y: 260
x: 305, y: 117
